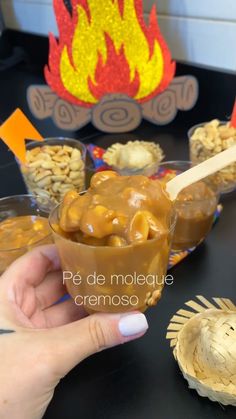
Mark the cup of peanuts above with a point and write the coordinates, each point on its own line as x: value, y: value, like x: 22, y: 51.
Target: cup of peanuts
x: 53, y: 167
x: 208, y: 139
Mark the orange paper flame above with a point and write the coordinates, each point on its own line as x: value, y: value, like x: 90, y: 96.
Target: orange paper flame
x: 106, y: 47
x: 15, y: 130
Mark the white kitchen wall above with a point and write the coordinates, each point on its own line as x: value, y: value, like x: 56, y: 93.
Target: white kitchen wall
x: 202, y: 32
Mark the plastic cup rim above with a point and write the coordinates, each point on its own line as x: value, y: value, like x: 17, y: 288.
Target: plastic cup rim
x: 59, y: 139
x: 201, y: 124
x: 170, y: 231
x: 216, y: 193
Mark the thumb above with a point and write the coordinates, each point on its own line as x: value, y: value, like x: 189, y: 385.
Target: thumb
x: 72, y: 343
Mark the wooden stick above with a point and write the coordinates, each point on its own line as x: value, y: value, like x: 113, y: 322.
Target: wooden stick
x: 202, y: 170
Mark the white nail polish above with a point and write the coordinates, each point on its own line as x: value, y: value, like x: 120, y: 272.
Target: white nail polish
x: 133, y: 324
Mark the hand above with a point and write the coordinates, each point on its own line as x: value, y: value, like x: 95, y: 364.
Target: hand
x: 41, y: 342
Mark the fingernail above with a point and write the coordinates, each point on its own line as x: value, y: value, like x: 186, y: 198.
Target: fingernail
x: 133, y: 324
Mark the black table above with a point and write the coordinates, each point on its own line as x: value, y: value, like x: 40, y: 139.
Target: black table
x: 140, y: 379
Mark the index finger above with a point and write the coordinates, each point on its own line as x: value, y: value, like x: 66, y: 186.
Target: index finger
x: 31, y: 268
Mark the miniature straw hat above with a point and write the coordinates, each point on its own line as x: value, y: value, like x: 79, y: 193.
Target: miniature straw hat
x: 204, y: 342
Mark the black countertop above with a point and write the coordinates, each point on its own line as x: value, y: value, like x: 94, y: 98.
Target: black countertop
x: 141, y: 379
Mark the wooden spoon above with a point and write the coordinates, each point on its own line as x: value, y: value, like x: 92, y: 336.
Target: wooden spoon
x: 202, y: 170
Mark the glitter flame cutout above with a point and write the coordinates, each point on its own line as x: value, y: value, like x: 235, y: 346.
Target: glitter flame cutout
x: 106, y: 47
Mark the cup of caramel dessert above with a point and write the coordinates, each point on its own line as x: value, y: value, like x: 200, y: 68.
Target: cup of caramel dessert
x: 114, y: 242
x: 23, y: 226
x: 195, y: 207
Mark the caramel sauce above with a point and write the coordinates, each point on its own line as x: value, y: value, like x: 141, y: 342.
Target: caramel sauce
x: 22, y: 231
x: 20, y: 234
x: 195, y: 209
x: 116, y: 211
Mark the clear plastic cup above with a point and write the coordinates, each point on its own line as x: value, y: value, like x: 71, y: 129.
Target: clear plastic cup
x: 51, y: 176
x: 113, y: 279
x: 194, y: 216
x: 206, y: 146
x: 20, y: 206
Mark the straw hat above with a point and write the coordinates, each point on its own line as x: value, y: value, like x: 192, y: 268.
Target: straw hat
x: 204, y: 345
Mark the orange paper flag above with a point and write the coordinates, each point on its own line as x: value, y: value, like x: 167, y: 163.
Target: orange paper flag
x: 233, y: 117
x: 15, y: 130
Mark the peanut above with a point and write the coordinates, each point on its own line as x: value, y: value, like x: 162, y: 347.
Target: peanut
x: 35, y: 164
x: 57, y: 171
x: 116, y: 241
x: 56, y: 186
x: 74, y: 175
x: 139, y: 227
x: 42, y: 175
x: 47, y: 165
x: 59, y: 178
x: 75, y: 165
x: 45, y: 182
x: 67, y: 149
x: 76, y: 154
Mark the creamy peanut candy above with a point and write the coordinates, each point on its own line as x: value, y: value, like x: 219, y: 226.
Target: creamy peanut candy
x: 20, y: 234
x: 119, y: 230
x: 116, y: 211
x: 53, y: 170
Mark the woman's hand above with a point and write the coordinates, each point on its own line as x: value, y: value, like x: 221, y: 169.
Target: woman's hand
x: 41, y: 342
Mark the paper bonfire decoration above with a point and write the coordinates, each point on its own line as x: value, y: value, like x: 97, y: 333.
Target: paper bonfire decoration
x: 110, y: 68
